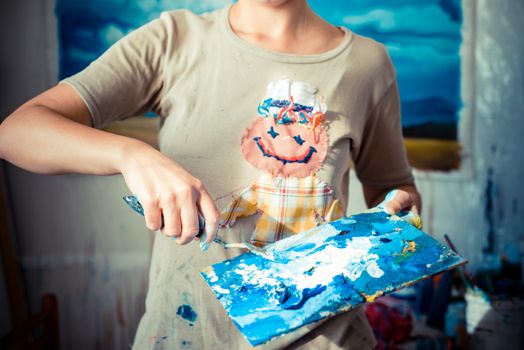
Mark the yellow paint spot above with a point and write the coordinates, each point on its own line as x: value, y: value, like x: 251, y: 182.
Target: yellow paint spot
x: 417, y: 222
x: 372, y: 298
x: 411, y: 247
x: 208, y: 270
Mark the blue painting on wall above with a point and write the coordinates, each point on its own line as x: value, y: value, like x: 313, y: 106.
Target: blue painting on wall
x: 423, y: 38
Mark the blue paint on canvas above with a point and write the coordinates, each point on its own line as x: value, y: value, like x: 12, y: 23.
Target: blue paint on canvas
x: 423, y: 38
x: 88, y: 28
x: 324, y: 271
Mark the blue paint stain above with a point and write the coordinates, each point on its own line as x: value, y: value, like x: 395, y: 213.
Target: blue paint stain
x: 161, y: 339
x: 186, y: 312
x: 489, y: 211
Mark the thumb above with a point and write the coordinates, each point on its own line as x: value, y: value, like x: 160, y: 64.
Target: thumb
x: 395, y: 201
x: 210, y: 215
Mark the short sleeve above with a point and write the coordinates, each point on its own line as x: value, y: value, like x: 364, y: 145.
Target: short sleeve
x: 127, y: 79
x: 381, y: 160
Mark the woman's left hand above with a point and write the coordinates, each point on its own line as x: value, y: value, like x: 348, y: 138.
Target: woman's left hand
x: 404, y: 202
x: 402, y: 199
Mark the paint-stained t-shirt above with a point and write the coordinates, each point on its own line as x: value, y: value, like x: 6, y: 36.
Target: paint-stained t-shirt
x: 208, y: 85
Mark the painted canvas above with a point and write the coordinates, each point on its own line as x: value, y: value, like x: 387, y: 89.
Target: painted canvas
x: 88, y: 28
x: 324, y: 271
x: 423, y: 38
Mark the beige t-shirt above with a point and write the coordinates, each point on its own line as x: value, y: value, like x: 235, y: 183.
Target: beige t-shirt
x: 206, y: 84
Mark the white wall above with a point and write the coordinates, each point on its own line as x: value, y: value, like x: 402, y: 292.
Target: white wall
x: 76, y: 237
x: 492, y: 136
x: 78, y: 240
x: 497, y: 143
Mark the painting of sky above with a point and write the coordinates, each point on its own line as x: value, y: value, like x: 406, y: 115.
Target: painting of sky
x: 423, y: 38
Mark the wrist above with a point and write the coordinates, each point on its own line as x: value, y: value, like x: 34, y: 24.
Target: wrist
x: 131, y: 153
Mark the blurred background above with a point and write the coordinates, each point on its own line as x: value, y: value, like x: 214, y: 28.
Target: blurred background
x: 461, y: 79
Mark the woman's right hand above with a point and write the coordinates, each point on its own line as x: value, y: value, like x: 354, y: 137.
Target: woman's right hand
x: 169, y: 194
x: 51, y: 134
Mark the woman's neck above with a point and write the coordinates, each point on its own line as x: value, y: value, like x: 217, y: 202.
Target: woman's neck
x: 290, y: 26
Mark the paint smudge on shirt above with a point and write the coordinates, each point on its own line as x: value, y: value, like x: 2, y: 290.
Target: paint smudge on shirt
x: 187, y: 313
x: 324, y: 271
x: 157, y: 340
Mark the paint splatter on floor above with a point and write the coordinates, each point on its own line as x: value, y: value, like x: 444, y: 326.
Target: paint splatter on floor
x: 187, y: 312
x: 324, y: 271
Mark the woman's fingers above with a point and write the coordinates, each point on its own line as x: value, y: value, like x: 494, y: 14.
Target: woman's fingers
x: 210, y: 213
x: 399, y: 200
x: 180, y: 212
x: 189, y: 217
x: 414, y: 207
x: 152, y: 214
x: 171, y: 213
x: 177, y: 197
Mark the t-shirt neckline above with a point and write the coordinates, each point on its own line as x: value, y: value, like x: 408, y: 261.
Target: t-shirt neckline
x: 281, y: 56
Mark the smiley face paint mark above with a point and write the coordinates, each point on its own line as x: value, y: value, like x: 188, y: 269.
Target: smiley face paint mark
x: 302, y: 158
x: 288, y: 138
x: 299, y: 140
x: 273, y: 133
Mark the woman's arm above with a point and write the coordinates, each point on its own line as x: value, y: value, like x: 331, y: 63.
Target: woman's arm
x: 51, y: 134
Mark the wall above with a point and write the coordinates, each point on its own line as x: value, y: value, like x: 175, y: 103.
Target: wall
x: 491, y: 125
x: 78, y: 240
x: 24, y: 59
x: 462, y: 207
x: 76, y: 237
x: 5, y: 320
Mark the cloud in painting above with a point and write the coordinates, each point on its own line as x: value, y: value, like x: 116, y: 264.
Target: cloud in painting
x: 110, y: 34
x: 423, y: 40
x: 416, y: 20
x: 88, y: 28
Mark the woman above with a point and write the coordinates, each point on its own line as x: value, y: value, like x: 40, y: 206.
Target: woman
x: 205, y: 76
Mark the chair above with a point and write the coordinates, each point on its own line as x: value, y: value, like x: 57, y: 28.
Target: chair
x: 38, y: 332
